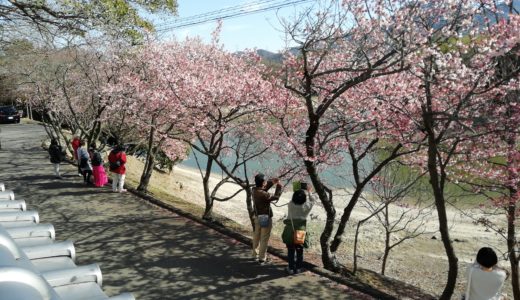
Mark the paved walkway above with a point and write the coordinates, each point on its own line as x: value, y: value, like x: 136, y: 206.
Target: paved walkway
x: 142, y: 249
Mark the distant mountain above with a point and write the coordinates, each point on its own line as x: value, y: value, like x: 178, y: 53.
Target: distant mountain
x: 275, y: 57
x: 268, y: 55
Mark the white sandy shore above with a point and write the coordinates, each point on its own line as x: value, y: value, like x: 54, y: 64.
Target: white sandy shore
x: 421, y: 262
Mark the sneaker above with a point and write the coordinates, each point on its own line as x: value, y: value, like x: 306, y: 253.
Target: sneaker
x: 298, y: 271
x: 289, y: 271
x: 79, y: 174
x: 122, y: 190
x: 264, y: 261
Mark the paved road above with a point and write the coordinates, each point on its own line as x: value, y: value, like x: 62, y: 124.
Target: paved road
x: 141, y: 248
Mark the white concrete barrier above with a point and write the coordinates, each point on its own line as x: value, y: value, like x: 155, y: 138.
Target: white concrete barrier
x: 6, y: 195
x: 13, y: 205
x: 37, y: 230
x: 34, y: 266
x: 63, y: 249
x: 18, y: 283
x: 83, y: 274
x: 18, y: 218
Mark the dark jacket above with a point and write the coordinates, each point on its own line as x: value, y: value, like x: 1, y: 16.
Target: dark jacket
x: 55, y: 153
x: 262, y: 199
x: 96, y: 158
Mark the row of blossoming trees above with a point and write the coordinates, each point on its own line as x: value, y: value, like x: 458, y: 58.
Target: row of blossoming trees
x: 428, y: 84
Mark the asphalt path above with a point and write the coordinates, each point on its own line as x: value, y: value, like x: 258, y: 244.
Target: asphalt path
x: 143, y: 249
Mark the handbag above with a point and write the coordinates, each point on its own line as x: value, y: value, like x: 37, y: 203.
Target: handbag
x: 263, y: 220
x: 298, y: 235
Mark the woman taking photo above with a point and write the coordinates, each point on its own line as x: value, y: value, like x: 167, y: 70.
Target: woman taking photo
x: 294, y: 233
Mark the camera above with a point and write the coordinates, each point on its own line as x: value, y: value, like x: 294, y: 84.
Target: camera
x: 299, y: 185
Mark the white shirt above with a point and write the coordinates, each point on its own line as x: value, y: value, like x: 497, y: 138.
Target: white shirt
x: 485, y: 285
x: 301, y: 212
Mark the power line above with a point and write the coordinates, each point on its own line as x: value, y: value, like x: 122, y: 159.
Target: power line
x: 227, y: 13
x: 231, y: 9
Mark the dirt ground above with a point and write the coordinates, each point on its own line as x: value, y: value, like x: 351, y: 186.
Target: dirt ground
x: 420, y: 261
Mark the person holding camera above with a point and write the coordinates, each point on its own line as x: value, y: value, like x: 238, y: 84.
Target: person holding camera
x: 294, y: 234
x: 485, y: 278
x: 263, y: 214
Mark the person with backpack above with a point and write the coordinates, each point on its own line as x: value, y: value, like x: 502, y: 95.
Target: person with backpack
x: 263, y: 215
x: 56, y: 156
x: 98, y: 171
x: 117, y: 161
x: 294, y: 234
x: 84, y: 162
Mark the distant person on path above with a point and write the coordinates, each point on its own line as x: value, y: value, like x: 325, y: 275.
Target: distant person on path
x: 117, y: 161
x: 485, y: 278
x: 75, y: 145
x: 56, y: 156
x: 298, y: 211
x: 98, y: 171
x: 263, y: 214
x: 84, y: 162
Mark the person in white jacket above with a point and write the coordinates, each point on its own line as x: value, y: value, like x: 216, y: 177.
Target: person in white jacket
x: 298, y: 210
x: 485, y: 278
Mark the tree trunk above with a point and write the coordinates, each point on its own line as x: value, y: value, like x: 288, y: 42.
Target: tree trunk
x: 440, y: 204
x: 511, y: 217
x: 150, y: 160
x: 437, y: 185
x: 208, y: 210
x: 512, y: 248
x: 387, y: 242
x: 344, y: 219
x: 147, y: 171
x: 354, y: 267
x: 329, y: 260
x: 437, y: 182
x: 328, y: 257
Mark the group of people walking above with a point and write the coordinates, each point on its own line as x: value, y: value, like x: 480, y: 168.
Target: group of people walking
x: 90, y: 163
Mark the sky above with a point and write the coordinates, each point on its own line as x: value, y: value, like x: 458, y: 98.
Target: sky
x: 259, y: 30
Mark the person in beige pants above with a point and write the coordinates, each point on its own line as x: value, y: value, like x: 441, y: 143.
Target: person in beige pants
x: 263, y: 215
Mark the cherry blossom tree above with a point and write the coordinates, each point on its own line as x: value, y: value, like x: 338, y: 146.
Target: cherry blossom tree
x: 332, y: 113
x: 146, y: 106
x: 448, y: 80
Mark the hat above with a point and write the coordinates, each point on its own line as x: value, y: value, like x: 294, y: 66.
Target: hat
x: 259, y: 179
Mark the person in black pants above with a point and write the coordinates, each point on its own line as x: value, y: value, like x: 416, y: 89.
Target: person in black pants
x: 298, y: 210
